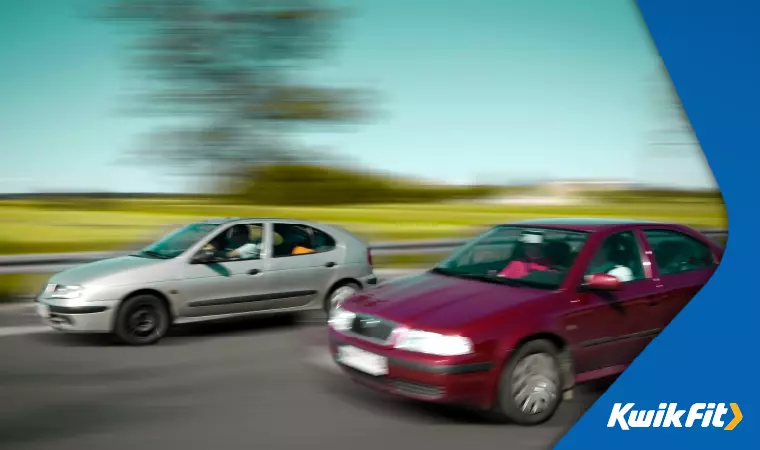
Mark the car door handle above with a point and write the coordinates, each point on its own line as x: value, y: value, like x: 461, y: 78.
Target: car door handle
x: 330, y: 264
x: 254, y: 272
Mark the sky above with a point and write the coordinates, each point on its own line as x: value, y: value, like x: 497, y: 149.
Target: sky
x: 494, y: 90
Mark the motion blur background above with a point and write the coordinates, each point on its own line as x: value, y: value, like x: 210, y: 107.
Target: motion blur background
x: 399, y: 120
x: 395, y: 119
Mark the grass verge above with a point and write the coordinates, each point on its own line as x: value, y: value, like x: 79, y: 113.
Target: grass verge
x: 35, y: 227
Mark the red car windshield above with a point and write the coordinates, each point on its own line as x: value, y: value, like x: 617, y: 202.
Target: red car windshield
x: 517, y: 255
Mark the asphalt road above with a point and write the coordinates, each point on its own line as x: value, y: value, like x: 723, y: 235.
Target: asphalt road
x: 266, y: 382
x: 262, y: 383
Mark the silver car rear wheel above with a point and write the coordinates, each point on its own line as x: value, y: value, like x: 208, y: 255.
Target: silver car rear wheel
x: 339, y: 295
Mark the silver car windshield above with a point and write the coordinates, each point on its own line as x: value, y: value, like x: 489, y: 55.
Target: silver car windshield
x: 177, y: 242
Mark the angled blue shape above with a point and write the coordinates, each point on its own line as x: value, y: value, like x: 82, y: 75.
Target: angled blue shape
x: 710, y: 351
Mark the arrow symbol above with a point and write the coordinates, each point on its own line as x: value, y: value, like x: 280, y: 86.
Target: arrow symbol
x: 737, y: 417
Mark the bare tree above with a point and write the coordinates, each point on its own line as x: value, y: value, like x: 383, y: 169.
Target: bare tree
x: 232, y: 77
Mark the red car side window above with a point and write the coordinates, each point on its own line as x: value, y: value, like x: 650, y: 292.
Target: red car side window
x: 676, y: 252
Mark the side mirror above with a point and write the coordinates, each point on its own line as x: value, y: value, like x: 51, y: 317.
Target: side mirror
x: 602, y: 282
x: 203, y: 257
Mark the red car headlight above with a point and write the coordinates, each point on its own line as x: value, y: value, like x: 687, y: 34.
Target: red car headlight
x: 431, y: 343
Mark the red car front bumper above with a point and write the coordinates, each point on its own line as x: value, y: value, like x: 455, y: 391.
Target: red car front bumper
x: 421, y: 377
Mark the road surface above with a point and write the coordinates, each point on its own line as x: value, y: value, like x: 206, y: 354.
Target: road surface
x: 262, y: 383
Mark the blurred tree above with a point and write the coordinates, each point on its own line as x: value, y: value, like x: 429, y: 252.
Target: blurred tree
x: 232, y: 73
x: 322, y: 185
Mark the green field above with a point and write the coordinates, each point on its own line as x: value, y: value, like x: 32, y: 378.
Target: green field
x: 42, y: 227
x: 29, y: 227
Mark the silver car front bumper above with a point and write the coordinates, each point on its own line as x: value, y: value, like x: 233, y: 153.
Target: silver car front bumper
x: 92, y: 317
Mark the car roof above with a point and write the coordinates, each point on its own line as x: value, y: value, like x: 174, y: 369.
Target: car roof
x: 230, y: 220
x: 582, y: 224
x: 336, y: 232
x: 330, y: 229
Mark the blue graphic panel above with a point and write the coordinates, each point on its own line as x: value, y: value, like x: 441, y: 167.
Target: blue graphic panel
x: 709, y: 353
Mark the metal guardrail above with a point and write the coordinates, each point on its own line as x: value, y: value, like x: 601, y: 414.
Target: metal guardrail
x: 55, y: 262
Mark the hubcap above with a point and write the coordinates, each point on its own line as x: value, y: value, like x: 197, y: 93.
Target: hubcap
x: 535, y: 383
x: 340, y: 295
x: 143, y: 321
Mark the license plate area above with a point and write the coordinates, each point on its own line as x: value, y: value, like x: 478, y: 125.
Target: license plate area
x: 362, y: 360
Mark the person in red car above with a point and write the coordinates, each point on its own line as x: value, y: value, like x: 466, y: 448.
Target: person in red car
x: 531, y: 260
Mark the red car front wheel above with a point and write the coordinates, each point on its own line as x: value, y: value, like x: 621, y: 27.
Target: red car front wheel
x: 530, y: 388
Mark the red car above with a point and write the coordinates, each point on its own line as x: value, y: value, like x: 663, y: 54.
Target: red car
x: 510, y: 322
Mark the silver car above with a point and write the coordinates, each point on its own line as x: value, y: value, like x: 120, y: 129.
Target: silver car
x: 209, y: 270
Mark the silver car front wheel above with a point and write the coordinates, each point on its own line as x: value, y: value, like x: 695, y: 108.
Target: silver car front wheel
x: 142, y: 320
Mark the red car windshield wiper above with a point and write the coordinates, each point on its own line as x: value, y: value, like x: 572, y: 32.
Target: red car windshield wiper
x: 495, y: 279
x: 481, y: 277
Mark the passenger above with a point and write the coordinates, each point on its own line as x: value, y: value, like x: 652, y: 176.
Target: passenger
x: 613, y: 259
x: 301, y: 250
x: 532, y: 259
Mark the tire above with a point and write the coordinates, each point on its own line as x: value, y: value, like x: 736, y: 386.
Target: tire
x: 338, y: 294
x: 142, y: 320
x: 535, y: 365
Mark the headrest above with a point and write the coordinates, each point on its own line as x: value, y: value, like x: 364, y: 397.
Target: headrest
x: 531, y: 238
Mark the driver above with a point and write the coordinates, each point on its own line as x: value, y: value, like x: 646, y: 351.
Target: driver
x: 239, y: 240
x: 532, y: 259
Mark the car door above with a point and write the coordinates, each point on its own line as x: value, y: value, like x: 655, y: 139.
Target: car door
x: 682, y: 264
x: 609, y: 329
x: 229, y: 285
x: 302, y: 278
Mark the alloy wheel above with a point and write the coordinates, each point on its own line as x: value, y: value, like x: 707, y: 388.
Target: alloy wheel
x: 535, y: 383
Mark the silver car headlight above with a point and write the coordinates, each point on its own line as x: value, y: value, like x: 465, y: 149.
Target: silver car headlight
x: 433, y: 343
x: 67, y: 292
x: 341, y: 320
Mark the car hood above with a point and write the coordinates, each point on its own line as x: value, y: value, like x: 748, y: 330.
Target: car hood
x: 107, y: 270
x: 434, y: 301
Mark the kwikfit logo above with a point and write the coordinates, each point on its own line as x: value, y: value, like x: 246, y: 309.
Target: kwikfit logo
x: 668, y: 415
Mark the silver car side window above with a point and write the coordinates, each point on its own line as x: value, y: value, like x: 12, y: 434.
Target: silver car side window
x: 323, y: 242
x: 293, y: 240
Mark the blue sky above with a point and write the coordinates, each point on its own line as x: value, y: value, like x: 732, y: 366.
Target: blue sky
x: 506, y: 90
